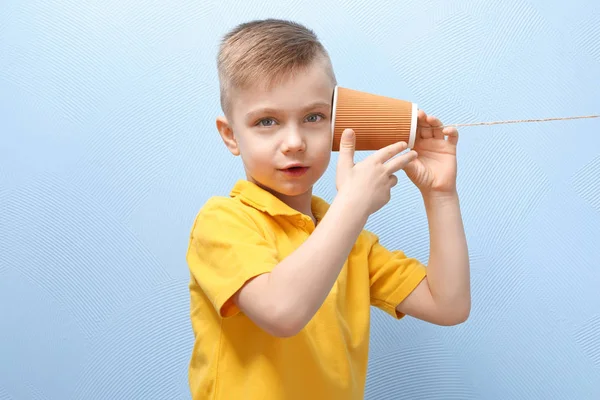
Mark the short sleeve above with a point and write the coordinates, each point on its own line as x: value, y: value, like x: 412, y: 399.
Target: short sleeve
x: 392, y: 275
x: 226, y: 249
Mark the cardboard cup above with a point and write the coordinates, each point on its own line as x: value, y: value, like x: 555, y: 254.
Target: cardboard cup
x: 377, y: 121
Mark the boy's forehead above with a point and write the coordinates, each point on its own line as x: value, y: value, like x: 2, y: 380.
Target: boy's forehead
x: 296, y: 91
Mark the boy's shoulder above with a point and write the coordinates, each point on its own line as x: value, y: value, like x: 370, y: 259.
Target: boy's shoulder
x: 220, y: 210
x: 241, y: 210
x: 232, y: 203
x: 221, y: 203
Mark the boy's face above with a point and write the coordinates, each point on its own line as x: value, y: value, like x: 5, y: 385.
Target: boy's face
x: 284, y: 134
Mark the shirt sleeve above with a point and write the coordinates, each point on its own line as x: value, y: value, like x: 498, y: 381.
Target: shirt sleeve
x: 227, y: 249
x: 392, y: 275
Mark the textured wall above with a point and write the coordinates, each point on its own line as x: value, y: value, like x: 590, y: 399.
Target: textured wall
x: 108, y: 149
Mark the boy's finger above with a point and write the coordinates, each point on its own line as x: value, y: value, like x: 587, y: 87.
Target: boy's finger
x: 386, y: 153
x: 423, y: 127
x: 346, y: 153
x: 436, y: 126
x: 452, y: 134
x: 398, y: 163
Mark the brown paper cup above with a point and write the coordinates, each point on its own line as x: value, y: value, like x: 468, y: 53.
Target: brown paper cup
x: 377, y: 121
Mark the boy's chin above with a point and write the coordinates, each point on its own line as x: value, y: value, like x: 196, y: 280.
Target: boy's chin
x: 294, y: 190
x: 288, y: 189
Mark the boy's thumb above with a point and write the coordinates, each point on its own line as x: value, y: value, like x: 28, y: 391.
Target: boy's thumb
x: 347, y: 143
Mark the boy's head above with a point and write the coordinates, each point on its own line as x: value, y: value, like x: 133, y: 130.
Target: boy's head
x: 277, y: 82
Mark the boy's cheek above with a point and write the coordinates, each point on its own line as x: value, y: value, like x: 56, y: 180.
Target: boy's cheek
x: 260, y: 161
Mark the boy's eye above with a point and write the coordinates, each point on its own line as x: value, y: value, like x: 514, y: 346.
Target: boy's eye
x: 314, y: 118
x: 266, y: 122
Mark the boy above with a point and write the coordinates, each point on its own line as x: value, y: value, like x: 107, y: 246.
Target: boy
x: 282, y: 282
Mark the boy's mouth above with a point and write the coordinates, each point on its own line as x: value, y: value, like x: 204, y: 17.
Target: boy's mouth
x: 294, y: 165
x: 295, y: 170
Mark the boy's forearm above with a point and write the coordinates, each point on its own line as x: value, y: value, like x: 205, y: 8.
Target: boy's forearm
x: 448, y: 268
x: 299, y: 285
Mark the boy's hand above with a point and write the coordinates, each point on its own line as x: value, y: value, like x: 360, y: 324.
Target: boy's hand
x: 434, y: 171
x: 368, y: 184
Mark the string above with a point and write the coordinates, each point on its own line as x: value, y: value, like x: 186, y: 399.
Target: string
x: 516, y: 121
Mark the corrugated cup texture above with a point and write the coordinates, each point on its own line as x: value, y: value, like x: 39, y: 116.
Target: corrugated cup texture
x: 376, y: 120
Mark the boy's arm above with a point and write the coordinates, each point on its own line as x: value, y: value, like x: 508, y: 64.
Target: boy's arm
x: 283, y: 301
x: 444, y: 297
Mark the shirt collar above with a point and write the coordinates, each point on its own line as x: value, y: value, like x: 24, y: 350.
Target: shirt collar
x: 257, y: 197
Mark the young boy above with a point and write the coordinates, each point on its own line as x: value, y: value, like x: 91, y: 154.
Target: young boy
x: 282, y: 282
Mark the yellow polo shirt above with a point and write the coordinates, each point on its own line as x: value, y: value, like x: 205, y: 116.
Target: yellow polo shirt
x: 236, y: 238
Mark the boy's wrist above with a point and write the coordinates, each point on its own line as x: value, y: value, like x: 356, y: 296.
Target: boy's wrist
x: 433, y: 195
x: 435, y: 198
x: 352, y: 207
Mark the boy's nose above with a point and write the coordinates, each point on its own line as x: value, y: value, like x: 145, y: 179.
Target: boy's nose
x: 293, y: 141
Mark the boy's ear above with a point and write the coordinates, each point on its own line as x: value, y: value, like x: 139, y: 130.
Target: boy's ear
x: 226, y: 133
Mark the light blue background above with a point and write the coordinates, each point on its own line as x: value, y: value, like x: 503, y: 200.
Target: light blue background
x: 108, y: 149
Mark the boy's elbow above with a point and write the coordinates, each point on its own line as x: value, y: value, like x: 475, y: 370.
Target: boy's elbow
x: 284, y: 322
x: 460, y: 318
x: 457, y: 316
x: 283, y: 331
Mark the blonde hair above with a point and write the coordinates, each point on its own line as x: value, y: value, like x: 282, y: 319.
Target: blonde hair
x: 266, y: 52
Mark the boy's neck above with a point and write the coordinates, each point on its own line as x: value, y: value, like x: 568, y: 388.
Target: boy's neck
x: 301, y: 203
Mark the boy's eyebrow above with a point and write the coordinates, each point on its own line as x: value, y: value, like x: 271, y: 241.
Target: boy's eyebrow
x: 270, y: 110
